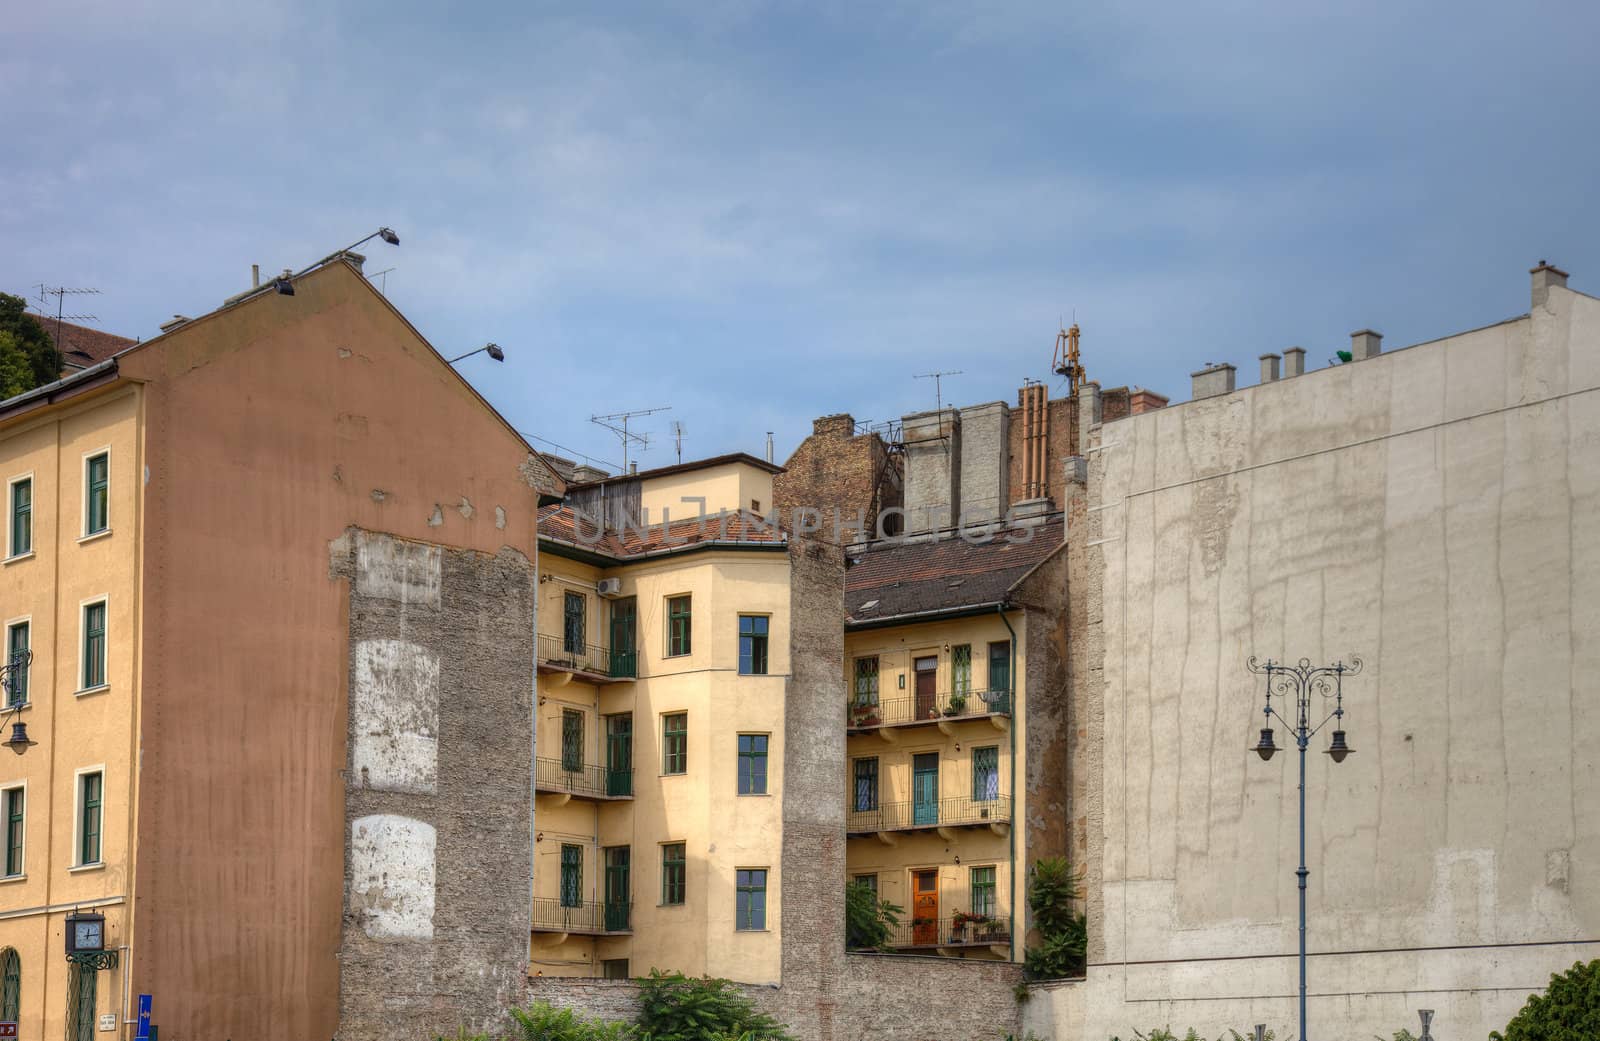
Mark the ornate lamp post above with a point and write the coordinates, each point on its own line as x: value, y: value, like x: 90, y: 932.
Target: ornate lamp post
x: 13, y: 675
x: 1300, y: 682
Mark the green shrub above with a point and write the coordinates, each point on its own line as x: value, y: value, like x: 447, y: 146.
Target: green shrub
x: 674, y: 1007
x: 1063, y: 930
x: 543, y: 1022
x: 1568, y: 1010
x: 868, y: 921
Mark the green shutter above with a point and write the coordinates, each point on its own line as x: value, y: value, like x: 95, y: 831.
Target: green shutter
x: 17, y: 640
x: 15, y: 810
x: 89, y: 825
x: 674, y: 873
x: 571, y: 875
x: 983, y: 891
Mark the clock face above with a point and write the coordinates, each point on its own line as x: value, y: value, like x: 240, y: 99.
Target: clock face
x: 86, y: 936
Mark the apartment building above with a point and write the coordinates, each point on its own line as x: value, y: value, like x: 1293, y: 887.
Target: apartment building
x: 663, y: 657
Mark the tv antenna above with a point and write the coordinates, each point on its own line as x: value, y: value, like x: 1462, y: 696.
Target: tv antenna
x: 677, y: 437
x: 936, y: 377
x: 1066, y: 361
x: 626, y: 436
x: 61, y: 293
x: 383, y: 275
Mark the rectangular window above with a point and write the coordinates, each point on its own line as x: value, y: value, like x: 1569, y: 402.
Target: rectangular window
x: 1000, y: 667
x: 751, y: 910
x: 674, y: 874
x: 94, y: 646
x: 575, y: 609
x: 870, y: 881
x: 866, y: 792
x: 675, y: 743
x: 89, y: 796
x: 571, y: 740
x: 866, y: 681
x: 982, y: 886
x: 96, y: 498
x: 15, y: 806
x: 17, y: 660
x: 614, y: 968
x: 571, y: 875
x: 752, y: 764
x: 986, y: 773
x: 678, y: 626
x: 21, y: 517
x: 961, y: 668
x: 753, y: 645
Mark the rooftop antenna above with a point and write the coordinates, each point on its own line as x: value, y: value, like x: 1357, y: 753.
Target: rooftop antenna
x: 61, y: 293
x: 383, y: 276
x: 622, y: 432
x: 677, y: 437
x: 938, y: 395
x: 1067, y: 361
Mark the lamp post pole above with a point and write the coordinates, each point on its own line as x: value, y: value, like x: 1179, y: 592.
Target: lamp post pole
x: 1300, y: 681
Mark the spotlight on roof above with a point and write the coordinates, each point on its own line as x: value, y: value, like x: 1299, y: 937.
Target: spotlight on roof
x: 388, y: 235
x: 285, y: 287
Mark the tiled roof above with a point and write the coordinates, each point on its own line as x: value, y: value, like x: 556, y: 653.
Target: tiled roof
x: 81, y: 346
x: 892, y: 578
x: 739, y: 527
x: 694, y: 464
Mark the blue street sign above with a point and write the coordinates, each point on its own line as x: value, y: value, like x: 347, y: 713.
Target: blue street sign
x: 142, y: 1033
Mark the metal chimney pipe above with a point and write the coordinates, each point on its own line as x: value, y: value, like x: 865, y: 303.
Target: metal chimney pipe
x: 255, y: 276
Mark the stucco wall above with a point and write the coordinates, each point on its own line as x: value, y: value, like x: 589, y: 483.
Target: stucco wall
x: 1436, y: 511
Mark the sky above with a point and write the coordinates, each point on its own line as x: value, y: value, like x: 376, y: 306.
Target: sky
x: 760, y: 213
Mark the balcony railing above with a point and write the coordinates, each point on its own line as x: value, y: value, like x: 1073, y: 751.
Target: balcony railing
x: 550, y: 915
x: 951, y: 704
x: 941, y: 813
x: 591, y: 781
x: 955, y: 931
x: 591, y: 658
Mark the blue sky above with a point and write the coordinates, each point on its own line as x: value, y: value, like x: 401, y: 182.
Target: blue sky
x: 758, y: 213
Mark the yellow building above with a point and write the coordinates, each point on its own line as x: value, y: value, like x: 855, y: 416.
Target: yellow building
x: 663, y: 659
x: 954, y: 664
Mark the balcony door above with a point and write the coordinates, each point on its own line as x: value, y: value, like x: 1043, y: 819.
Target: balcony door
x: 618, y: 896
x: 925, y: 788
x: 925, y: 908
x: 927, y: 673
x: 624, y: 630
x: 619, y: 755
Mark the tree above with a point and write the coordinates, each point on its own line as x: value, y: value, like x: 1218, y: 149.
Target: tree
x: 29, y: 344
x: 1063, y: 929
x: 1568, y: 1010
x: 16, y: 374
x: 868, y: 921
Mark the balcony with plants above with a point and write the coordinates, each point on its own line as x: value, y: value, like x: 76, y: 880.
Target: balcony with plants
x: 945, y: 816
x: 869, y: 713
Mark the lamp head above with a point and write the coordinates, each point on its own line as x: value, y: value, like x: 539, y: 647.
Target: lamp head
x: 1337, y: 750
x: 1265, y: 748
x: 19, y: 741
x: 495, y: 352
x: 388, y: 235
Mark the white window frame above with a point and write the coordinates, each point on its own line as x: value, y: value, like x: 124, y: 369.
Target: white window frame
x: 83, y: 639
x: 5, y: 654
x: 84, y: 534
x: 5, y: 790
x: 77, y: 817
x: 11, y: 551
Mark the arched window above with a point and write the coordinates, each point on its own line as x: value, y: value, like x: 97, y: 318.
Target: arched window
x: 10, y: 985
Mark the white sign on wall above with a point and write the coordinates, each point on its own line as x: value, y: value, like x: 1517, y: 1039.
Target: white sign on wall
x: 108, y: 1021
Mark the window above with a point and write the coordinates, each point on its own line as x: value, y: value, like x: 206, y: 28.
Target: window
x: 986, y: 773
x: 1000, y: 667
x: 574, y: 610
x: 21, y: 516
x: 97, y: 482
x: 751, y: 910
x: 866, y: 681
x: 674, y: 874
x: 16, y: 806
x: 11, y: 988
x: 752, y: 764
x: 675, y: 743
x: 678, y: 627
x: 866, y: 797
x: 614, y: 968
x: 961, y: 668
x: 753, y: 645
x: 17, y: 643
x: 80, y: 1002
x: 571, y: 740
x: 982, y: 888
x: 571, y: 875
x: 870, y: 881
x: 94, y: 646
x: 89, y: 796
x: 755, y: 505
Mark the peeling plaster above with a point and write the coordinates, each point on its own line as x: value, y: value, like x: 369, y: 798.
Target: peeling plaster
x: 438, y: 516
x: 465, y: 508
x: 392, y: 876
x: 500, y: 517
x: 394, y: 707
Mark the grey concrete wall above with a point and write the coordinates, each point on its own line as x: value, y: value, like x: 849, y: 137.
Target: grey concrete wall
x: 1435, y: 510
x: 985, y: 468
x: 437, y: 805
x: 933, y: 469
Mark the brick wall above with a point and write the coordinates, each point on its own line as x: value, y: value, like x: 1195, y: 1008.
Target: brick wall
x: 1061, y: 443
x: 837, y: 470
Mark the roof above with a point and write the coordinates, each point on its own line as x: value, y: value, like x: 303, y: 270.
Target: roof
x: 81, y: 346
x: 897, y: 578
x: 727, y: 530
x: 678, y: 468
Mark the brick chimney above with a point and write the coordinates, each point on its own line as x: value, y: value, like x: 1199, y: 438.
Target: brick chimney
x: 1365, y: 344
x: 1142, y: 400
x: 1211, y: 381
x: 1545, y: 276
x: 840, y: 424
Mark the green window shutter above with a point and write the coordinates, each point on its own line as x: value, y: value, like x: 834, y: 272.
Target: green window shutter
x: 11, y: 988
x: 1000, y: 667
x: 89, y: 825
x: 571, y: 875
x: 98, y: 493
x: 17, y: 644
x: 866, y: 681
x: 21, y: 517
x: 983, y: 891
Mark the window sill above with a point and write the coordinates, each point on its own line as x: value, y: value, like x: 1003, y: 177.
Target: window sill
x: 18, y: 557
x: 752, y: 930
x: 98, y: 865
x: 100, y: 689
x: 13, y: 878
x: 755, y: 795
x: 102, y: 533
x: 17, y: 708
x: 680, y: 773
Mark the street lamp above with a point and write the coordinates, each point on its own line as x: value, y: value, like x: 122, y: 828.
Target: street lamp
x: 17, y: 666
x: 491, y: 349
x: 1301, y: 681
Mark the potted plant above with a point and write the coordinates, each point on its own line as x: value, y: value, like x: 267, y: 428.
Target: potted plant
x: 864, y: 714
x: 958, y: 704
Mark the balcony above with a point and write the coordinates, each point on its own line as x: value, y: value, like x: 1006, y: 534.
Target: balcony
x: 588, y: 662
x: 588, y: 918
x: 949, y: 935
x: 942, y: 815
x: 586, y: 782
x: 890, y: 715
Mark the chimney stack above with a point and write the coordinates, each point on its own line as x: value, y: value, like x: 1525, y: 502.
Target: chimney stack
x: 1545, y: 276
x: 1211, y: 381
x: 769, y: 446
x: 255, y: 276
x: 1365, y: 344
x: 1294, y: 362
x: 1270, y: 370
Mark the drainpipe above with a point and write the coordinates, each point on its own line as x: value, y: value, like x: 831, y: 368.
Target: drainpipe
x: 1011, y: 835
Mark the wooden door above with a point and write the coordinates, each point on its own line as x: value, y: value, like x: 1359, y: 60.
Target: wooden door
x: 927, y: 674
x: 925, y: 908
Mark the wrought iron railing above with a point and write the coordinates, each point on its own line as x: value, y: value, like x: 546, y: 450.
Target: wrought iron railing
x: 588, y: 657
x: 940, y: 813
x: 959, y: 930
x: 950, y: 704
x: 551, y: 915
x: 553, y: 775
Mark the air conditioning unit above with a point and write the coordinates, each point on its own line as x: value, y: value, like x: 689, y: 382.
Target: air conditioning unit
x: 610, y: 588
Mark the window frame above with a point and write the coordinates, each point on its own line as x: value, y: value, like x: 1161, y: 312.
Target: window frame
x: 668, y: 739
x: 10, y: 984
x: 986, y: 794
x: 671, y: 886
x: 744, y: 888
x: 24, y: 623
x: 574, y: 637
x: 80, y: 818
x: 104, y: 603
x: 576, y: 888
x: 991, y: 888
x: 569, y: 731
x: 88, y: 493
x: 746, y: 785
x: 856, y: 764
x: 961, y: 671
x: 12, y: 552
x: 751, y: 642
x: 674, y: 649
x: 869, y: 697
x: 868, y: 879
x: 1005, y: 657
x: 19, y: 788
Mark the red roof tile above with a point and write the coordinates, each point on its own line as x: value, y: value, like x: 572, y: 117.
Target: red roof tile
x: 81, y: 346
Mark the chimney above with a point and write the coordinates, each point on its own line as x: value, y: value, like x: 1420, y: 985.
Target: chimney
x: 769, y: 446
x: 1294, y: 362
x: 1270, y: 370
x: 1211, y: 381
x: 633, y: 468
x: 255, y: 276
x: 1365, y: 344
x: 173, y: 322
x: 1545, y: 276
x: 1142, y: 400
x: 1088, y: 409
x: 840, y: 424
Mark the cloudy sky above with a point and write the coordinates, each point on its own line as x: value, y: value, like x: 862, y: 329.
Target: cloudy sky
x: 758, y: 213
